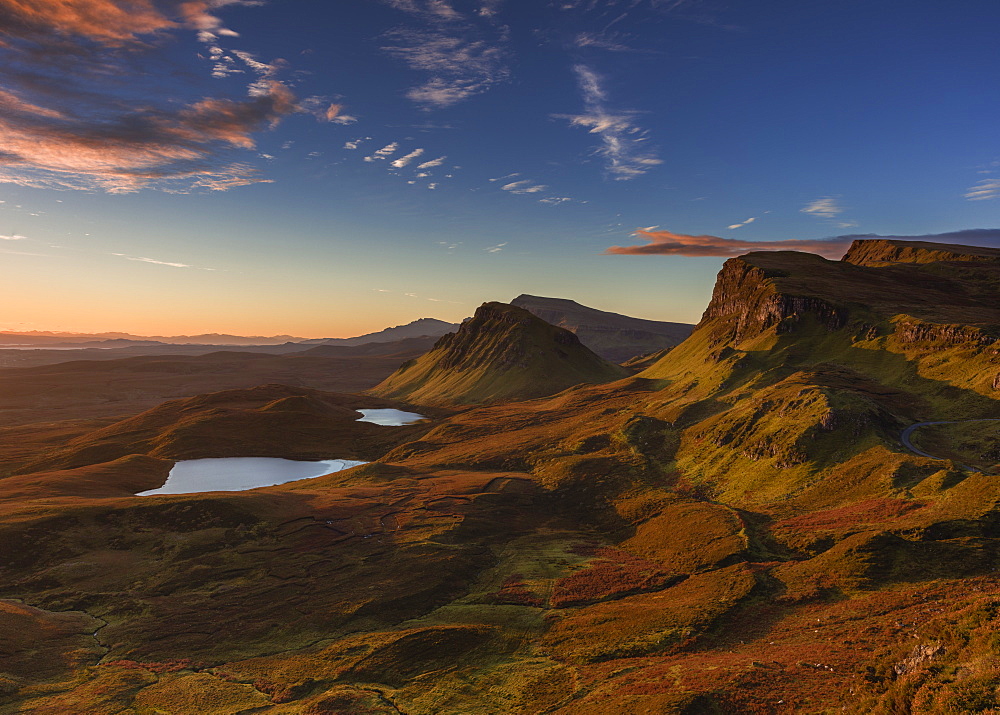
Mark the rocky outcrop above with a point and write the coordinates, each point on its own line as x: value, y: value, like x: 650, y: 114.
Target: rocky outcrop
x: 913, y: 331
x: 747, y: 294
x: 882, y: 252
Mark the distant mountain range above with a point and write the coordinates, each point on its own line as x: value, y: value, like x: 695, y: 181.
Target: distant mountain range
x: 49, y: 339
x: 44, y: 338
x: 417, y: 329
x: 613, y: 336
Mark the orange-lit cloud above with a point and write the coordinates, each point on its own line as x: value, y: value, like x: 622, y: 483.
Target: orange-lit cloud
x: 145, y: 147
x: 665, y: 243
x: 111, y: 22
x: 107, y: 22
x: 63, y: 124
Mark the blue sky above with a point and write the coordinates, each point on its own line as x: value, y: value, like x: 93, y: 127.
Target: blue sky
x: 329, y: 168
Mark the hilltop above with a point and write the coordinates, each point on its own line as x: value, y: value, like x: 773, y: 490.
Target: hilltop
x: 613, y: 336
x: 502, y: 353
x: 884, y: 251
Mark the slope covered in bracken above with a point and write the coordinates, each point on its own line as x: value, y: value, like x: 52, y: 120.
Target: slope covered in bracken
x: 737, y: 529
x: 501, y: 353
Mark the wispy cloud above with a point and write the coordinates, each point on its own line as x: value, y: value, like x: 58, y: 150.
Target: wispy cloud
x: 555, y: 200
x: 460, y: 67
x: 326, y: 111
x: 495, y: 249
x: 525, y: 186
x: 623, y: 143
x: 984, y: 190
x: 385, y: 152
x: 171, y: 264
x: 462, y: 54
x: 824, y: 208
x: 12, y: 237
x: 601, y: 41
x: 666, y: 243
x: 432, y: 163
x: 744, y: 223
x: 404, y: 160
x: 410, y: 294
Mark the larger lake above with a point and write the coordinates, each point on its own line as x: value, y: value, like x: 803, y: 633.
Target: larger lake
x: 236, y: 474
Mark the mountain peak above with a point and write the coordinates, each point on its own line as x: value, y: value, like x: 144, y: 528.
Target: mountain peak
x: 502, y: 353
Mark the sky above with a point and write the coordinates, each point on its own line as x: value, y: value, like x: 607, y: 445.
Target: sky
x: 325, y: 168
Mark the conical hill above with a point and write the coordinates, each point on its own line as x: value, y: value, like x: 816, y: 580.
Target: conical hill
x: 502, y: 353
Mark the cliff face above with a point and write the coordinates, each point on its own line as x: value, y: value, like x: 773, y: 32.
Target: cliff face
x: 942, y: 315
x: 613, y: 336
x: 748, y: 295
x: 947, y: 295
x: 881, y: 252
x: 502, y: 353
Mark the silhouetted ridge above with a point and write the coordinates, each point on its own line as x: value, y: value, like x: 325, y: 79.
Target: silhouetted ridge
x: 613, y: 336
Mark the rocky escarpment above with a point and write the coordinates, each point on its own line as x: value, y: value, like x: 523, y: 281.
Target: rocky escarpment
x: 746, y: 294
x: 915, y: 331
x: 882, y: 252
x: 936, y: 295
x: 501, y: 353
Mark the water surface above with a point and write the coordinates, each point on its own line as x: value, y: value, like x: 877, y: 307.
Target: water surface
x: 236, y: 474
x: 390, y: 418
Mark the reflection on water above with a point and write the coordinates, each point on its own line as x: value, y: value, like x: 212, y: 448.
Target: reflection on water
x: 235, y: 474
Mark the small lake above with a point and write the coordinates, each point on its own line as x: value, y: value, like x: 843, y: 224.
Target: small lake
x: 390, y: 418
x: 236, y: 474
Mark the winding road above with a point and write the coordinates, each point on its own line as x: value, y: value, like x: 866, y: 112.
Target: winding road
x: 904, y: 437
